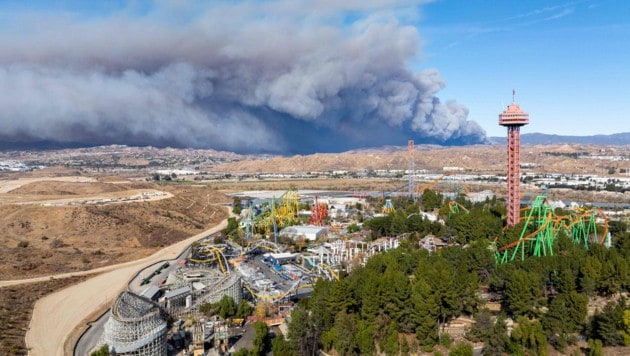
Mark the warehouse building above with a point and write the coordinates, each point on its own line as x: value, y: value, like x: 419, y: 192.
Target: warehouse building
x: 308, y: 232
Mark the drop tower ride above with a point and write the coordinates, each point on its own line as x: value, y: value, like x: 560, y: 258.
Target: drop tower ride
x: 513, y: 118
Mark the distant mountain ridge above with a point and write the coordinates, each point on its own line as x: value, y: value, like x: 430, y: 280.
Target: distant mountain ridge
x: 537, y: 138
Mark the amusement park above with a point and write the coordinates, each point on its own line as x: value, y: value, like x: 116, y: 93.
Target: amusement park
x: 281, y: 244
x: 281, y: 247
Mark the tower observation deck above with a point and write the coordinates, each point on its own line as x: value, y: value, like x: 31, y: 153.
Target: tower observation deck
x: 513, y: 118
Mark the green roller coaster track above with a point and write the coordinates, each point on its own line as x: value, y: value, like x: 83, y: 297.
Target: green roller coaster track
x: 541, y: 229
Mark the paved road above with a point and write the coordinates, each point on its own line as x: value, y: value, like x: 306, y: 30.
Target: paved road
x: 89, y: 340
x: 56, y: 316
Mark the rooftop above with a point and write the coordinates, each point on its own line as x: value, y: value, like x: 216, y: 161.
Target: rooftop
x: 177, y: 292
x: 284, y: 255
x: 150, y: 291
x: 302, y: 229
x: 513, y: 115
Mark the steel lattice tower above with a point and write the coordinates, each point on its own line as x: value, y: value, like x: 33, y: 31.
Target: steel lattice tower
x: 513, y: 118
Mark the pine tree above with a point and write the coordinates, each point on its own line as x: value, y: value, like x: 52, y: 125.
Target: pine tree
x: 589, y: 274
x: 595, y: 347
x: 259, y: 346
x: 566, y: 281
x: 426, y: 314
x: 370, y: 298
x: 227, y: 307
x: 496, y: 340
x: 523, y: 294
x: 467, y: 285
x: 626, y: 332
x: 566, y: 314
x: 608, y: 324
x: 390, y: 345
x: 322, y: 311
x: 244, y: 309
x: 343, y: 334
x: 365, y: 338
x: 303, y: 335
x: 529, y: 334
x: 396, y: 293
x: 482, y: 326
x: 340, y: 298
x: 461, y: 349
x: 281, y: 347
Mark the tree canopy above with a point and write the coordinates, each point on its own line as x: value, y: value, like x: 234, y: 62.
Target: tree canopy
x: 409, y: 292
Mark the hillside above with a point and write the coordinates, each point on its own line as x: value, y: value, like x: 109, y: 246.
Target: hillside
x: 537, y: 138
x: 559, y: 158
x: 367, y: 159
x: 42, y: 239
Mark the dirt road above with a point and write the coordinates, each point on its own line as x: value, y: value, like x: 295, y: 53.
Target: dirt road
x: 9, y: 185
x: 45, y: 197
x: 57, y: 315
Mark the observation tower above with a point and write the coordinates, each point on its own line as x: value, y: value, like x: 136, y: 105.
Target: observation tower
x: 513, y: 118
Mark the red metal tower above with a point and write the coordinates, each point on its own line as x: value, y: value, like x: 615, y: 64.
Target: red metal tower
x: 411, y: 173
x: 319, y: 212
x: 513, y: 118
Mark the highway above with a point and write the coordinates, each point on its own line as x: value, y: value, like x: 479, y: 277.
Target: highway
x: 71, y: 308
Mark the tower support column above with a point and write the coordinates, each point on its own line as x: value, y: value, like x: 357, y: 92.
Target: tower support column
x: 513, y: 175
x: 513, y: 118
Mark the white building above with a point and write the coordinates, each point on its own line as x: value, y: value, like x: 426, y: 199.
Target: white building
x: 480, y: 196
x: 309, y: 232
x: 281, y: 258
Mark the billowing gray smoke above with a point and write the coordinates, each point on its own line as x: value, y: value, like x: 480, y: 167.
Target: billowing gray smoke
x: 242, y: 76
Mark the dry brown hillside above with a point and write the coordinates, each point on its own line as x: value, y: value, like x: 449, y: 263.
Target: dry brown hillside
x: 40, y: 240
x: 434, y: 159
x: 480, y: 158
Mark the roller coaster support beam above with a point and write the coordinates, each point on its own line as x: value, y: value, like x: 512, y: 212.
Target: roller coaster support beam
x: 273, y: 217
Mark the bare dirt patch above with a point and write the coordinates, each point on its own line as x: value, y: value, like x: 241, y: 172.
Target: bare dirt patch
x: 67, y: 188
x: 41, y: 240
x: 59, y: 193
x: 13, y: 184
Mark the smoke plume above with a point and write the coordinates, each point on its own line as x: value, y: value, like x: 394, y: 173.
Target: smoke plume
x: 280, y: 76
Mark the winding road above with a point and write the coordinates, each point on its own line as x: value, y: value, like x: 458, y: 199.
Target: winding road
x: 57, y: 316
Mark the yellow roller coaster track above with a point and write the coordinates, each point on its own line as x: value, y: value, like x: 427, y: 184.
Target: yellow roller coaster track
x: 260, y: 243
x: 329, y: 269
x: 282, y: 211
x: 218, y: 256
x: 295, y: 287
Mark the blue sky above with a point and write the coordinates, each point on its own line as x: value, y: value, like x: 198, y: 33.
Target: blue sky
x: 569, y: 61
x: 362, y: 73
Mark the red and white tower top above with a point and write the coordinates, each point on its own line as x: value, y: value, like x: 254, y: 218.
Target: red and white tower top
x: 513, y: 118
x: 513, y: 115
